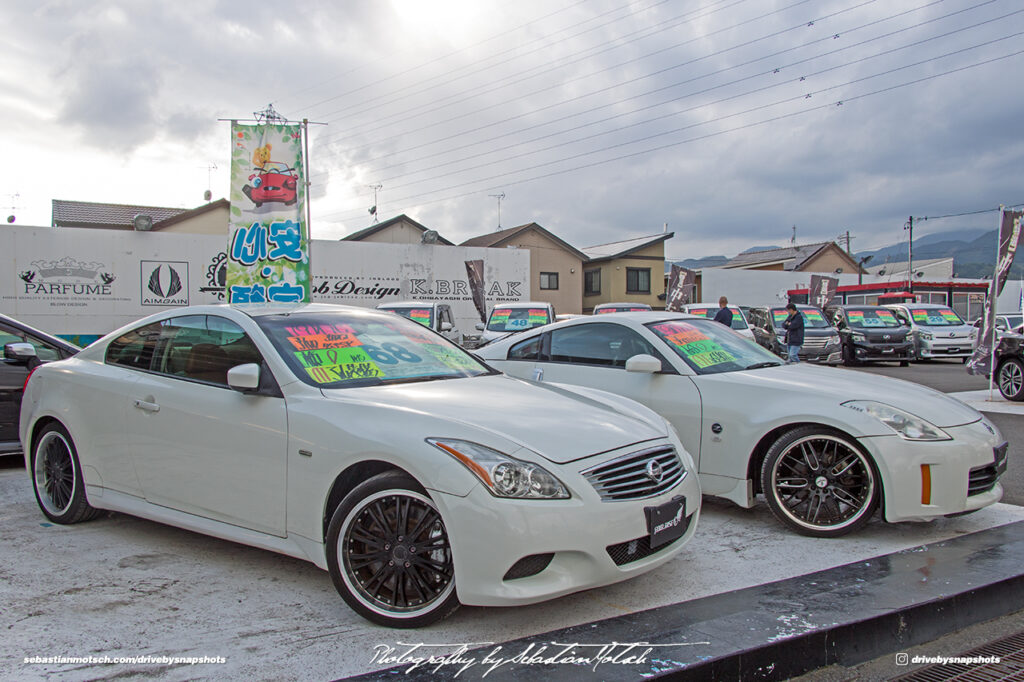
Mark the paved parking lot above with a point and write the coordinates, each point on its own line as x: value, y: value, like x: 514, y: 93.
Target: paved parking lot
x: 125, y: 587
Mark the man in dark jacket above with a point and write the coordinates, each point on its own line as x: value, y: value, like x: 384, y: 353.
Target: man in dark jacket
x: 794, y: 326
x: 724, y: 315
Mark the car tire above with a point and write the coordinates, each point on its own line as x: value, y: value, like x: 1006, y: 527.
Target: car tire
x: 57, y: 478
x: 904, y: 363
x: 813, y: 469
x: 382, y: 572
x: 1010, y: 379
x: 849, y: 357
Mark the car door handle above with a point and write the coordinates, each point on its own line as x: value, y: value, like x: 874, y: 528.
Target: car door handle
x: 147, y: 406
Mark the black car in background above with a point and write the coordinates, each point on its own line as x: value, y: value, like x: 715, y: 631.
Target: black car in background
x: 1009, y: 366
x: 14, y: 369
x: 821, y: 341
x: 871, y: 334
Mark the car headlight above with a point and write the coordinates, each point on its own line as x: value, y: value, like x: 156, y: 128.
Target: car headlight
x: 504, y: 476
x: 906, y: 425
x: 857, y: 336
x: 925, y: 336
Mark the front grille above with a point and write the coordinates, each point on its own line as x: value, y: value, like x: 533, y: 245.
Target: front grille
x: 635, y: 476
x: 815, y: 341
x: 982, y: 479
x: 635, y: 550
x: 528, y: 565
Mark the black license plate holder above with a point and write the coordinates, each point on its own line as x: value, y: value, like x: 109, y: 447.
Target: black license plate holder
x: 666, y: 522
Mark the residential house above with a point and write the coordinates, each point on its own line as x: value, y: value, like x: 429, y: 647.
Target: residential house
x: 630, y: 271
x: 823, y: 257
x: 398, y: 230
x: 211, y: 218
x: 555, y: 266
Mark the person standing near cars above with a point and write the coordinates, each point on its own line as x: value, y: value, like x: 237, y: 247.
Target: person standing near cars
x: 724, y: 315
x: 794, y: 326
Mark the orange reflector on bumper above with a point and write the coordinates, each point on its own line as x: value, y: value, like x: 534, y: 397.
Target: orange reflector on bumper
x: 926, y: 484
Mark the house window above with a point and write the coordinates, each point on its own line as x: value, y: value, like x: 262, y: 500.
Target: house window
x: 638, y: 280
x: 591, y: 282
x: 549, y: 280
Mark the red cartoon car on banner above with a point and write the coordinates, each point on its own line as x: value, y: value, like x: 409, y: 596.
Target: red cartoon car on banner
x: 275, y: 182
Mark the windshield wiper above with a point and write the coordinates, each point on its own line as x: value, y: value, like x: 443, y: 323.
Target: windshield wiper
x: 759, y: 365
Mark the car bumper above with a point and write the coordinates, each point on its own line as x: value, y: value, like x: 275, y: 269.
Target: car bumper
x: 826, y: 356
x: 490, y: 535
x: 963, y: 348
x: 888, y: 351
x: 962, y: 473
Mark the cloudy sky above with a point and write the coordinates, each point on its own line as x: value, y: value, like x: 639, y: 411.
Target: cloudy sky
x: 730, y: 120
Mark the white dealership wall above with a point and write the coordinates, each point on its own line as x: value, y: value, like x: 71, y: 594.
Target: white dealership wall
x: 758, y: 287
x: 88, y: 282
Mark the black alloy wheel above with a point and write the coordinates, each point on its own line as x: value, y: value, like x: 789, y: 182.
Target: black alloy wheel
x: 1010, y: 379
x: 819, y: 482
x: 389, y: 553
x: 57, y: 477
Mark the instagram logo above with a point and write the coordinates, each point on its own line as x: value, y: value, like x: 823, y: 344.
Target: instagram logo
x: 901, y: 659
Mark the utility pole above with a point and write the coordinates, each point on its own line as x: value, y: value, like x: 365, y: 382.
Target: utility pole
x: 910, y: 254
x: 499, y: 197
x: 845, y: 237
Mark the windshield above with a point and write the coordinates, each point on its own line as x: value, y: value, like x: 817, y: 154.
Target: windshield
x: 871, y: 317
x: 737, y: 317
x: 415, y: 313
x: 935, y: 317
x: 347, y: 349
x: 1014, y: 321
x: 633, y: 308
x: 711, y: 348
x: 813, y: 319
x: 517, y: 319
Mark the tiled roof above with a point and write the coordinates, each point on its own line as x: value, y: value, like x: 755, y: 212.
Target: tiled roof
x: 625, y: 247
x: 501, y: 236
x: 377, y: 227
x: 794, y: 256
x: 116, y: 216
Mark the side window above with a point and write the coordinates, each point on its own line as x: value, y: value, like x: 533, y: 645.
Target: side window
x: 44, y: 351
x: 204, y: 348
x: 446, y: 315
x: 136, y: 348
x: 527, y: 350
x: 609, y: 345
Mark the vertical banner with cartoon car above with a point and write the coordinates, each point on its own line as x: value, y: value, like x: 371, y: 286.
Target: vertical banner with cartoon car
x: 682, y: 285
x: 268, y: 243
x: 823, y: 290
x: 1009, y: 238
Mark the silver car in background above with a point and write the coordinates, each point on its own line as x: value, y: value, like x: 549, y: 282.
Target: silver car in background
x: 937, y: 330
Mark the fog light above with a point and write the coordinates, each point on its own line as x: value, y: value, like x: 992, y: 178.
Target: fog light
x: 926, y: 484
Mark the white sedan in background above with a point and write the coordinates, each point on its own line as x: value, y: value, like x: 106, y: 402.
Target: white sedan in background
x: 825, y: 446
x: 367, y: 444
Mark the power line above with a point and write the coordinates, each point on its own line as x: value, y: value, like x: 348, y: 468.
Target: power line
x: 672, y: 114
x: 829, y: 105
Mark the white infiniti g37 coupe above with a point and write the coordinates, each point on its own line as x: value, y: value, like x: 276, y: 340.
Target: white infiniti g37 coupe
x: 363, y: 442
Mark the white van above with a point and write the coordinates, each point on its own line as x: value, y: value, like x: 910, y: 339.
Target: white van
x: 938, y: 331
x: 509, y: 318
x: 437, y: 316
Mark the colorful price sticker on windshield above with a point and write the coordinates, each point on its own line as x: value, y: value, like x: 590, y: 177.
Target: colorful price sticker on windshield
x: 328, y: 365
x: 450, y: 357
x: 322, y: 336
x: 780, y: 315
x: 538, y: 316
x: 702, y: 312
x: 421, y: 316
x: 855, y: 316
x: 885, y: 315
x: 919, y: 315
x: 813, y: 315
x: 693, y: 345
x: 950, y: 316
x: 500, y: 315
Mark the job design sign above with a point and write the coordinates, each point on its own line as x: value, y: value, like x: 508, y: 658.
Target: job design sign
x: 268, y: 244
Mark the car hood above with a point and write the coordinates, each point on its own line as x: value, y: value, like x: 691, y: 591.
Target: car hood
x: 559, y: 423
x: 788, y: 382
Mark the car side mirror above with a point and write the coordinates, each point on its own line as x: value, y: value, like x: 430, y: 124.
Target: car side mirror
x: 19, y: 351
x: 647, y: 364
x: 479, y: 326
x: 447, y: 326
x: 244, y: 378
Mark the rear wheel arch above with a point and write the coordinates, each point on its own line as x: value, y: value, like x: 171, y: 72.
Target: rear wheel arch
x: 38, y: 428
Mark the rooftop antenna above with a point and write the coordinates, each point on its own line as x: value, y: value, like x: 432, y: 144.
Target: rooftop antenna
x: 14, y: 206
x: 499, y: 197
x: 373, y: 209
x: 208, y: 194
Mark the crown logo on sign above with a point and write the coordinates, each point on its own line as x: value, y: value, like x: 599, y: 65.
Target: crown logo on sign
x: 67, y: 267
